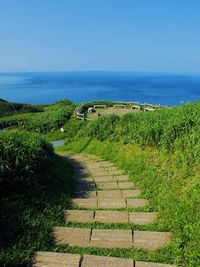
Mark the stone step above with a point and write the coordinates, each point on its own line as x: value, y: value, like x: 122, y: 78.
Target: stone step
x: 103, y: 216
x: 54, y: 259
x: 107, y: 194
x: 93, y: 165
x: 111, y: 238
x: 106, y: 173
x: 109, y: 203
x: 114, y: 185
x: 87, y: 184
x: 103, y: 179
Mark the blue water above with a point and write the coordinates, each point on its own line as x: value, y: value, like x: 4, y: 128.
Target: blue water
x: 48, y: 87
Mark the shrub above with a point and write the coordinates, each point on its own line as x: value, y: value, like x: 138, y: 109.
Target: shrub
x: 41, y: 122
x: 22, y: 157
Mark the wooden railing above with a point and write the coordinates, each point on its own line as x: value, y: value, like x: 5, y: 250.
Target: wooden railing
x: 79, y: 114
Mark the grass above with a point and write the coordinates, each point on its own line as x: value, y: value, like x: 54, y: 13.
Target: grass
x: 159, y: 150
x: 9, y: 108
x: 163, y: 255
x: 170, y: 185
x: 26, y: 218
x: 48, y: 118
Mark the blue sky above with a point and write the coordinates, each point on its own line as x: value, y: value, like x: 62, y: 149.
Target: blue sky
x: 109, y: 35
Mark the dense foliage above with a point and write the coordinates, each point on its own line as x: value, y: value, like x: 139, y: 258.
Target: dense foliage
x: 22, y: 157
x: 51, y: 119
x: 173, y: 129
x: 8, y: 108
x: 28, y: 215
x: 35, y: 186
x: 161, y: 152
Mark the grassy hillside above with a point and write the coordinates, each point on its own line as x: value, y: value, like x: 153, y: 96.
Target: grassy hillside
x: 8, y: 108
x: 161, y: 152
x: 49, y: 118
x: 35, y: 186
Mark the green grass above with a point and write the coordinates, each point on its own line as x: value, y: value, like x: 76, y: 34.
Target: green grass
x: 8, y: 108
x: 26, y: 217
x: 22, y: 157
x: 160, y: 151
x: 162, y: 256
x: 168, y: 182
x: 49, y: 119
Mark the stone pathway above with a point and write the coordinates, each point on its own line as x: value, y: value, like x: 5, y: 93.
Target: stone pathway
x: 104, y: 194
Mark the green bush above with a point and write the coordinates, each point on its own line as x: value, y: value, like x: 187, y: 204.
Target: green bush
x: 103, y: 128
x: 22, y: 157
x: 161, y: 152
x: 169, y: 129
x: 42, y: 122
x: 8, y: 108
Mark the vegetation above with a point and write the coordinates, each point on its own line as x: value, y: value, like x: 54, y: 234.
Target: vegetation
x: 22, y: 157
x: 8, y: 108
x: 35, y: 184
x: 35, y: 189
x: 161, y: 152
x: 50, y: 119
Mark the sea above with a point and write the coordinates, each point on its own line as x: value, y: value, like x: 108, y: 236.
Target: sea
x: 79, y: 87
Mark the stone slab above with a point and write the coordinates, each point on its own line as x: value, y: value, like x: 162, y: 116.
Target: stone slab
x: 151, y: 264
x: 142, y: 218
x: 131, y: 193
x: 109, y: 194
x: 125, y: 185
x: 111, y: 216
x: 72, y: 236
x: 106, y: 173
x: 104, y: 238
x: 84, y: 216
x: 95, y: 165
x: 112, y: 185
x: 84, y: 203
x: 54, y: 259
x: 111, y: 169
x: 121, y: 177
x: 51, y: 264
x: 102, y: 179
x: 151, y: 240
x: 137, y: 203
x: 111, y: 203
x: 99, y: 173
x: 115, y: 173
x: 85, y: 186
x: 101, y: 261
x: 86, y: 194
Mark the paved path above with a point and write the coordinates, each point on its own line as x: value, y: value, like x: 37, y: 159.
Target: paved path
x: 103, y: 194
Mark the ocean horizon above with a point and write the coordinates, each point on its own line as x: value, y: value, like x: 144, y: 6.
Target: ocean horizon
x: 144, y: 87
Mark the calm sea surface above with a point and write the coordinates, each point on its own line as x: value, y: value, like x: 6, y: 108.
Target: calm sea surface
x: 48, y: 87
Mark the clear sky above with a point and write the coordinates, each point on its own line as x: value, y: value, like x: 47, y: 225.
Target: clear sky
x: 114, y: 35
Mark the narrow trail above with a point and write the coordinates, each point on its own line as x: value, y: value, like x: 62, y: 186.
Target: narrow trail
x: 103, y: 194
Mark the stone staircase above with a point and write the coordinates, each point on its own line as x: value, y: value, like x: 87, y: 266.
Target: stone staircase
x: 104, y: 194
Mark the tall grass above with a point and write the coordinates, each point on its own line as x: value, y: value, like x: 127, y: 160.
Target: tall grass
x: 35, y: 188
x: 50, y: 119
x: 161, y: 152
x: 22, y: 157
